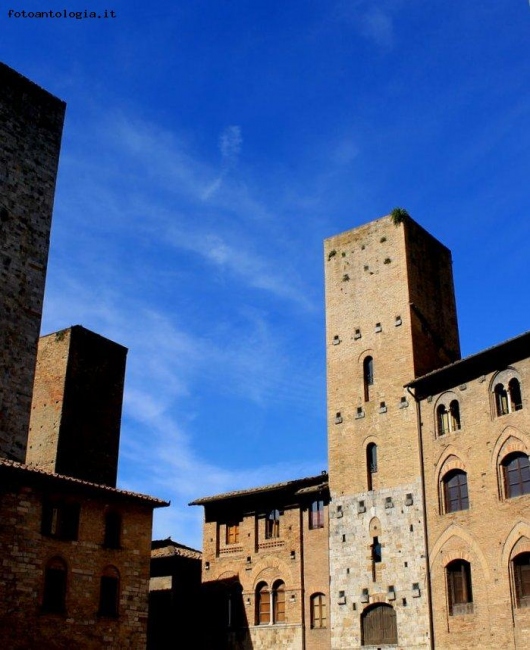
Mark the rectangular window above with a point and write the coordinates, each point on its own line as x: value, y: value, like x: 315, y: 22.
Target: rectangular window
x: 60, y: 519
x: 272, y: 525
x: 316, y: 517
x: 232, y: 533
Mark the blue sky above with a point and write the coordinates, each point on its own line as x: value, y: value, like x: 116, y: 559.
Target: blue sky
x: 210, y: 147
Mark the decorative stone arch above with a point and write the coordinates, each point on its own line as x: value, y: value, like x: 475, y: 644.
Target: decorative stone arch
x: 269, y: 570
x: 374, y: 527
x: 367, y: 352
x: 517, y: 541
x: 509, y: 441
x: 449, y: 460
x: 468, y: 550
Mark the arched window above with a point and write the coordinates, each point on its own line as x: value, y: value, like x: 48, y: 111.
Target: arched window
x: 112, y: 530
x: 278, y: 602
x: 507, y: 393
x: 501, y: 399
x: 236, y: 609
x: 455, y: 491
x: 454, y: 415
x: 272, y: 525
x: 378, y: 625
x: 368, y: 376
x: 318, y: 611
x: 54, y: 592
x: 371, y: 463
x: 109, y: 592
x: 516, y: 475
x: 459, y: 592
x: 448, y: 417
x: 263, y: 604
x: 442, y: 420
x: 521, y: 575
x: 514, y: 392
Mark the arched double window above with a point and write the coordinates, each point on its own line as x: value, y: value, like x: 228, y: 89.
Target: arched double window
x: 447, y: 415
x: 516, y: 474
x: 455, y: 493
x: 270, y: 603
x: 507, y: 392
x: 54, y: 591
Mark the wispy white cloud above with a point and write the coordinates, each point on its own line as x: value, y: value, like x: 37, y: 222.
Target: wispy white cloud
x: 378, y: 26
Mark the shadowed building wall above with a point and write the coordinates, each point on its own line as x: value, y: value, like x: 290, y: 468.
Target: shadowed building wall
x: 77, y: 405
x: 31, y: 122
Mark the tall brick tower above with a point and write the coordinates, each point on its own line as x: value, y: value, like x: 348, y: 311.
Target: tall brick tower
x: 77, y: 405
x: 31, y: 122
x: 390, y: 316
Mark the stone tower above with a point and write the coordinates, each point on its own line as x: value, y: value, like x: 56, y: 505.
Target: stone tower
x: 77, y: 405
x: 390, y: 317
x: 31, y: 122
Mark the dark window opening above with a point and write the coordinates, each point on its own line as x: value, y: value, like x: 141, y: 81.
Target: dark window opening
x: 371, y: 463
x: 109, y: 589
x: 516, y: 474
x: 521, y: 574
x: 112, y: 530
x: 54, y: 593
x: 368, y: 376
x: 60, y: 520
x: 455, y: 491
x: 459, y: 590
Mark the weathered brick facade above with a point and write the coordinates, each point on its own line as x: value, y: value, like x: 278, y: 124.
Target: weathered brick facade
x: 469, y: 436
x: 265, y: 567
x: 30, y: 545
x: 31, y: 122
x: 77, y: 404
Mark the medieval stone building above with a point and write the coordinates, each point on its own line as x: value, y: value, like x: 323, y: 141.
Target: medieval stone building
x: 75, y: 549
x: 429, y: 477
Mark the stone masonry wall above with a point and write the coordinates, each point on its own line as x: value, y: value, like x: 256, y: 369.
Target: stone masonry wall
x: 371, y: 276
x: 31, y: 122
